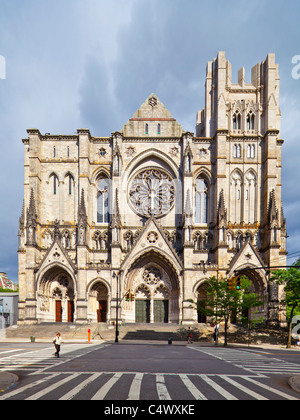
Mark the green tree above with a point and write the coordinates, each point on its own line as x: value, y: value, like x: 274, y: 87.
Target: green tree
x: 290, y: 278
x: 223, y: 301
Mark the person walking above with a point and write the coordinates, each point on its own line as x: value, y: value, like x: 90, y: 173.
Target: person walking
x: 189, y: 336
x: 216, y: 333
x: 57, y: 343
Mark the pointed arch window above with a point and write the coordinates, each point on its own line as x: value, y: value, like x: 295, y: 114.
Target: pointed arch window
x: 70, y: 184
x: 250, y: 121
x: 66, y: 240
x: 236, y: 186
x: 237, y: 121
x: 54, y: 182
x: 158, y: 128
x: 103, y: 205
x: 237, y: 151
x: 251, y: 151
x: 250, y: 214
x: 201, y: 201
x: 146, y: 128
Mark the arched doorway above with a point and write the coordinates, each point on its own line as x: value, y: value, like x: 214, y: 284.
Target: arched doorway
x: 154, y: 283
x: 56, y: 296
x: 98, y: 302
x: 259, y: 287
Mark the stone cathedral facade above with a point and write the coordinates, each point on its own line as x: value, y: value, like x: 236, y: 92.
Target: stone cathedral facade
x: 156, y: 211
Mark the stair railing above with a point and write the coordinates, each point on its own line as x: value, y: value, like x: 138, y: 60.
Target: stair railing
x: 80, y: 328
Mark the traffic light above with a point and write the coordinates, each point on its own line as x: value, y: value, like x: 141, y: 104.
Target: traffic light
x: 230, y: 283
x: 234, y: 283
x: 129, y: 297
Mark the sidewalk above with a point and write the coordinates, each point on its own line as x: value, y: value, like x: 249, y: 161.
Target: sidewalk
x: 47, y: 340
x: 7, y: 381
x: 151, y: 342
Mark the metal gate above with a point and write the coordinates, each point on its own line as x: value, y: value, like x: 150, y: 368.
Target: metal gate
x: 161, y: 311
x: 142, y: 311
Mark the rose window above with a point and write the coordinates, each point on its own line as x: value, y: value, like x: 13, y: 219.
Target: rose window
x: 152, y: 193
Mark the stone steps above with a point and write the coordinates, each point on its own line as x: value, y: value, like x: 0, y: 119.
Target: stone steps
x: 107, y: 332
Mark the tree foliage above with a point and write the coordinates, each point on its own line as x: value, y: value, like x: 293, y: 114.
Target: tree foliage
x: 290, y: 278
x: 223, y: 302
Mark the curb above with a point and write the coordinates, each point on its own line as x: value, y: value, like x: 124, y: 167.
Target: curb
x: 294, y: 383
x: 7, y: 381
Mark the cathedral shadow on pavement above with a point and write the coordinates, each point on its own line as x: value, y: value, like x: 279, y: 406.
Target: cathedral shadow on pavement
x: 179, y: 335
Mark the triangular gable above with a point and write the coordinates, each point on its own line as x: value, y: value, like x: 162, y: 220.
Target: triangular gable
x: 156, y: 116
x: 247, y: 257
x: 152, y: 238
x: 57, y: 254
x: 153, y: 108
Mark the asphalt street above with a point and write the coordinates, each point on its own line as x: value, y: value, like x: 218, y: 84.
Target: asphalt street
x: 148, y: 372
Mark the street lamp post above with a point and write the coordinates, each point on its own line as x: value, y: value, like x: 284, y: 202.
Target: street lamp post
x: 115, y: 276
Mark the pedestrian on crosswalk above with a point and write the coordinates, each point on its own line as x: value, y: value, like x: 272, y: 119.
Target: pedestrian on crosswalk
x: 57, y: 343
x: 189, y: 337
x: 216, y: 333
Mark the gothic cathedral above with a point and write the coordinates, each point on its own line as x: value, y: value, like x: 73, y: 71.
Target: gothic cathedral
x: 147, y: 216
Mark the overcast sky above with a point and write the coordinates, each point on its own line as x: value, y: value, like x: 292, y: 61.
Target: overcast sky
x: 90, y: 64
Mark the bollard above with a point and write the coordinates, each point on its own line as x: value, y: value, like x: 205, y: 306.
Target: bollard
x: 89, y: 335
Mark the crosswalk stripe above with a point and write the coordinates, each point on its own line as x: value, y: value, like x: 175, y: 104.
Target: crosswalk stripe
x: 9, y: 351
x: 218, y: 388
x: 161, y: 388
x: 80, y: 387
x: 25, y: 388
x: 243, y: 388
x: 43, y: 358
x: 273, y: 390
x: 258, y: 364
x: 191, y: 387
x: 135, y: 389
x: 101, y: 394
x: 52, y: 387
x: 133, y: 385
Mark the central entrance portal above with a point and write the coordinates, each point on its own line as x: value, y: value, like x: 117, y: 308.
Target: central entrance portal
x: 155, y: 286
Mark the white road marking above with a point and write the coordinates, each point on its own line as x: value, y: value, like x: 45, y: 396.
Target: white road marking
x: 135, y: 389
x: 101, y: 394
x: 70, y: 395
x: 50, y: 388
x: 218, y: 388
x: 191, y: 387
x: 161, y: 388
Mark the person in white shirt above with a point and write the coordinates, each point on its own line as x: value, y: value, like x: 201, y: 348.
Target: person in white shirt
x: 216, y: 333
x: 57, y: 343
